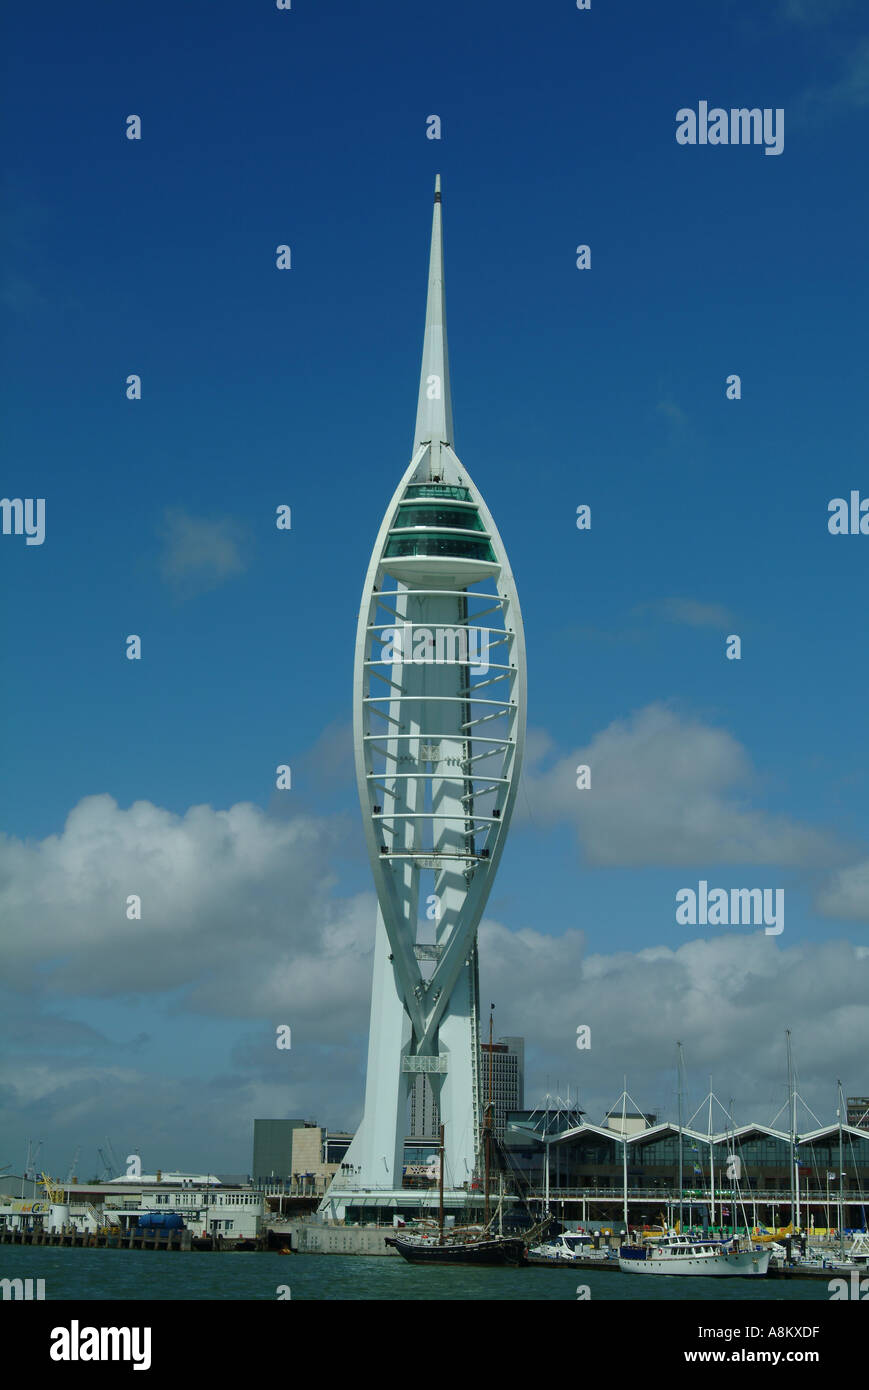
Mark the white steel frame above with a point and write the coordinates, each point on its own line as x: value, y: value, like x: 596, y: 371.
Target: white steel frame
x: 437, y: 797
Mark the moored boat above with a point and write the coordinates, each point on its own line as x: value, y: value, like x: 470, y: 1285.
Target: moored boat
x: 567, y: 1248
x: 453, y: 1250
x: 695, y: 1256
x: 858, y: 1255
x: 469, y: 1245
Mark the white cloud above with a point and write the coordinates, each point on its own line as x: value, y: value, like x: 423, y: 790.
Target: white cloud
x: 238, y: 908
x: 825, y: 100
x: 728, y: 997
x: 852, y: 88
x: 672, y: 413
x: 847, y: 894
x: 810, y: 13
x: 172, y: 1121
x: 690, y: 612
x: 664, y: 790
x: 198, y: 554
x: 242, y: 919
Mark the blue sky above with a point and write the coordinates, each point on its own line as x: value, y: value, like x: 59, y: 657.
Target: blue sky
x: 262, y: 387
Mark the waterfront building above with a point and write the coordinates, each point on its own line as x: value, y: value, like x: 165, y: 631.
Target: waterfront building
x: 858, y: 1111
x: 205, y: 1206
x: 296, y: 1157
x: 603, y: 1174
x: 273, y: 1148
x: 505, y: 1067
x: 335, y: 1145
x: 425, y: 1119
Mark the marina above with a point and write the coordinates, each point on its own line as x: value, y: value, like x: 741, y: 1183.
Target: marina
x: 511, y: 1220
x: 307, y: 1240
x: 91, y: 1274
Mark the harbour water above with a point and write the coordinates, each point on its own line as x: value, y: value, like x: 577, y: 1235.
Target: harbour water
x: 133, y: 1275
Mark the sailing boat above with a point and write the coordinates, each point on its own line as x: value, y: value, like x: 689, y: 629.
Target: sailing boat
x: 463, y: 1246
x: 468, y: 1245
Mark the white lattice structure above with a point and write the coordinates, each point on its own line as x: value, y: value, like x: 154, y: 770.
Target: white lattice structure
x: 439, y: 723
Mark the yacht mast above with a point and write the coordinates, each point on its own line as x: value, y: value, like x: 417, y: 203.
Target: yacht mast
x: 736, y: 1168
x: 792, y: 1108
x: 711, y: 1160
x: 840, y: 1099
x: 489, y: 1115
x: 441, y: 1167
x: 624, y: 1155
x: 546, y: 1157
x: 679, y: 1080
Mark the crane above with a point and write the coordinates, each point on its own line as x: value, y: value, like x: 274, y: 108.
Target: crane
x: 30, y: 1163
x: 53, y: 1190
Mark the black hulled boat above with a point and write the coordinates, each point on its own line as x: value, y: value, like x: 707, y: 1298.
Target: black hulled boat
x: 485, y: 1250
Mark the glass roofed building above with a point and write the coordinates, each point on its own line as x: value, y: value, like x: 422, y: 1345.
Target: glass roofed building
x: 752, y: 1174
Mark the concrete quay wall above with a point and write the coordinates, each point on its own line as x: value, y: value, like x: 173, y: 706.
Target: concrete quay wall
x: 307, y: 1238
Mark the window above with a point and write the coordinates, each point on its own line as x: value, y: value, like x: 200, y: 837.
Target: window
x: 444, y: 545
x: 439, y: 490
x: 430, y: 514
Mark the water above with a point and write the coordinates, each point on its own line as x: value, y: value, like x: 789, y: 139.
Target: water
x: 139, y: 1274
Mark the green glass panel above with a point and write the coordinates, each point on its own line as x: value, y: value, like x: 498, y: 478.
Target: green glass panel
x: 448, y: 546
x: 440, y: 490
x: 430, y: 514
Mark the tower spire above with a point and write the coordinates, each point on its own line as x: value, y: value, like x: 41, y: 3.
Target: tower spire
x: 434, y: 413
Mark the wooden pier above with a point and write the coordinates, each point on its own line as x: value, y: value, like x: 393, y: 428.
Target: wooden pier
x: 102, y: 1239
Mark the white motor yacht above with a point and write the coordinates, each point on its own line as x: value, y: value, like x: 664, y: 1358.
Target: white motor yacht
x: 568, y: 1247
x: 693, y: 1255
